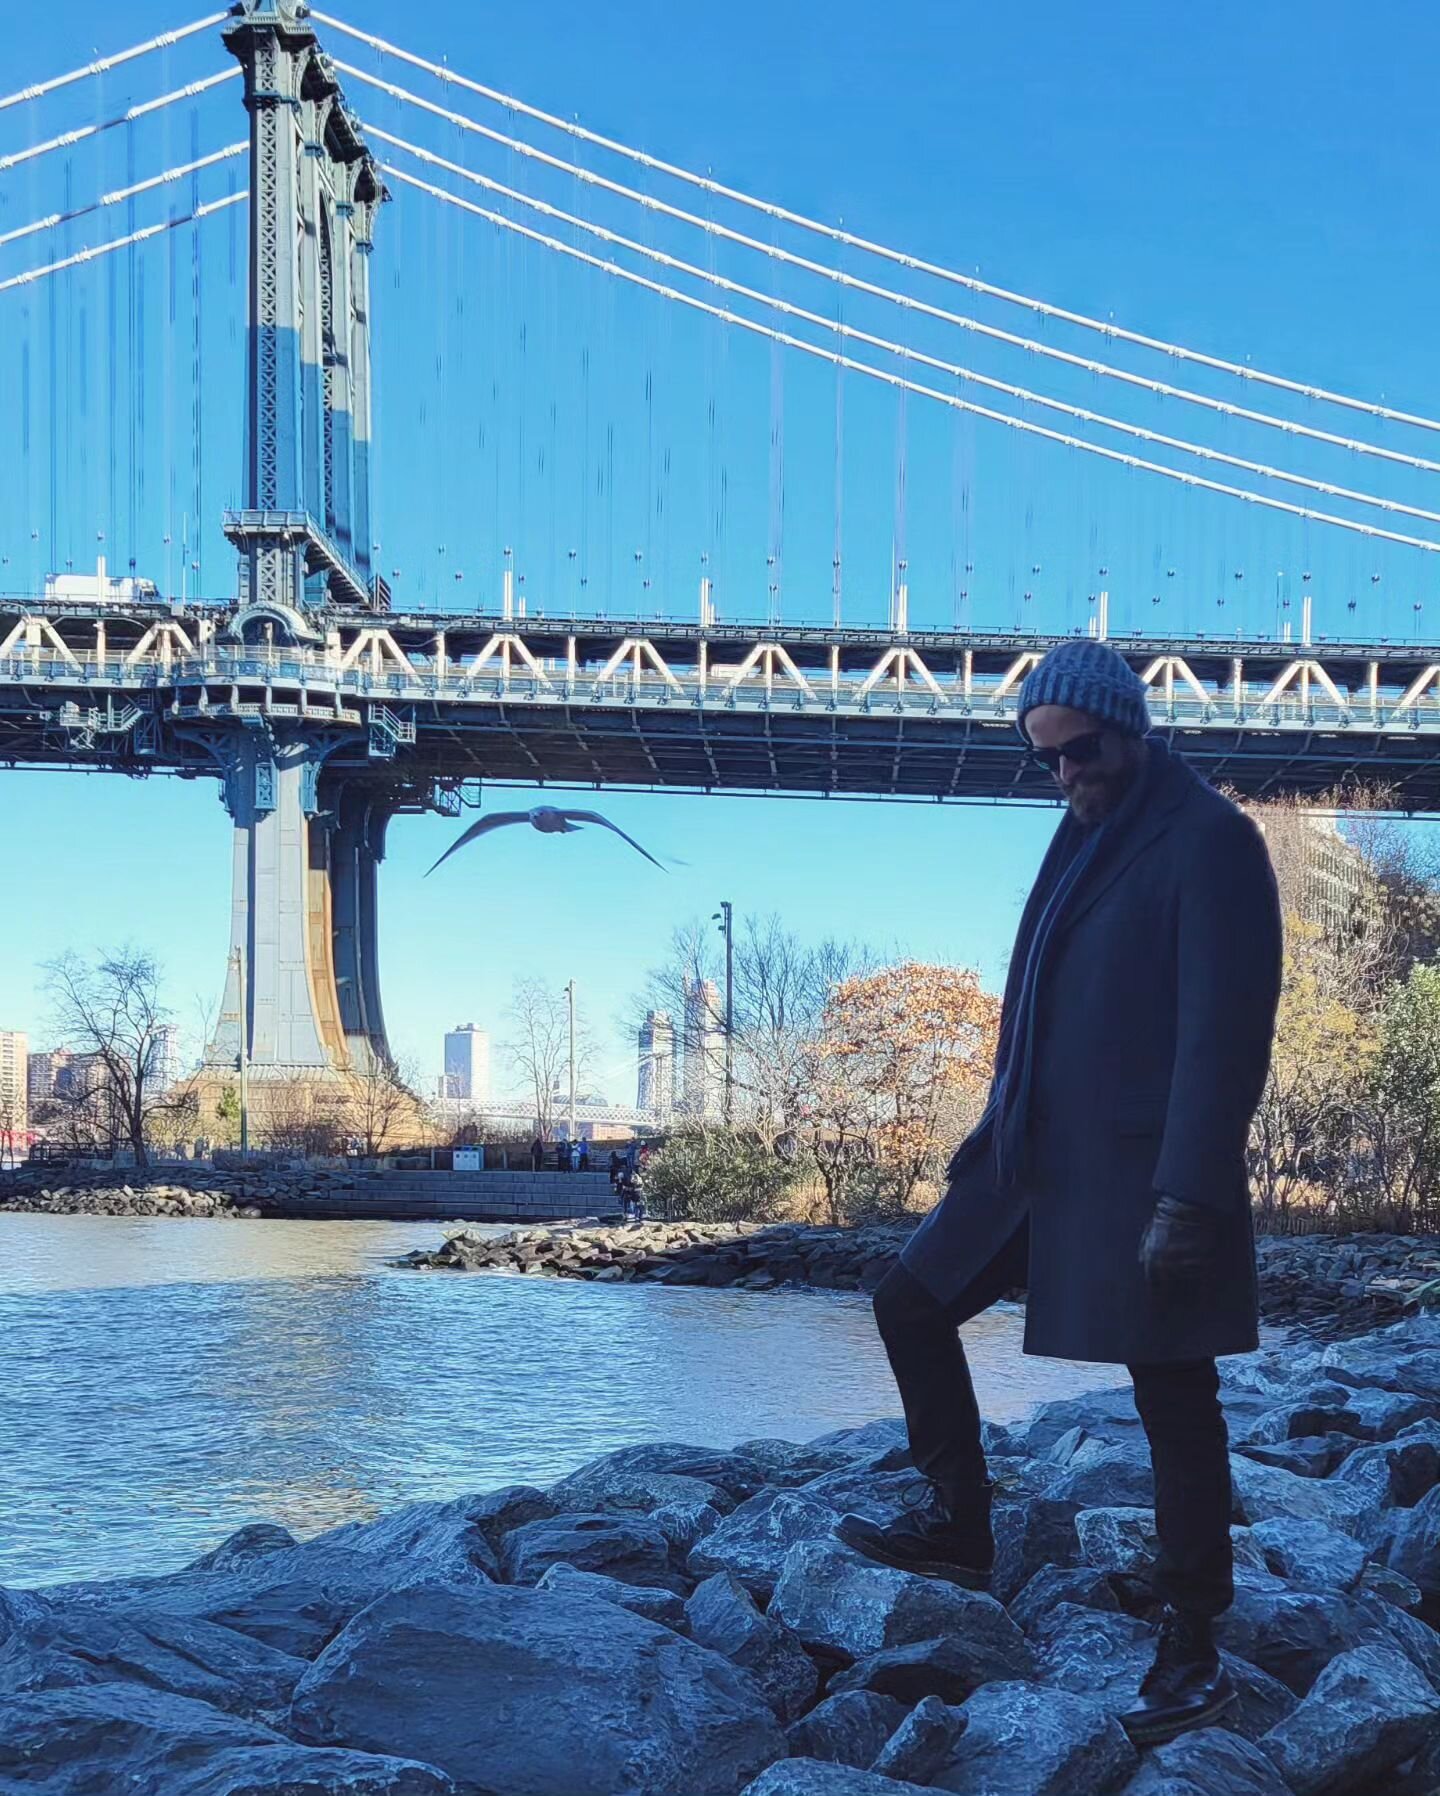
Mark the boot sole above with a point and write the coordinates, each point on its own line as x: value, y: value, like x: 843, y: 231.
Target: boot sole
x: 924, y: 1568
x: 1157, y: 1733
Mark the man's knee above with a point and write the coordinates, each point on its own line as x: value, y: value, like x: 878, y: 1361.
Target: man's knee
x: 1183, y: 1397
x: 902, y: 1304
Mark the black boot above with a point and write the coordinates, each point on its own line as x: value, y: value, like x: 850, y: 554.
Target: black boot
x: 938, y: 1536
x: 1186, y: 1687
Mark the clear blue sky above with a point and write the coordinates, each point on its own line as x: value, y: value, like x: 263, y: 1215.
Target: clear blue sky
x: 1253, y: 181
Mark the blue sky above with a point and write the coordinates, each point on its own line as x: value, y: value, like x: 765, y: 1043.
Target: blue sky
x: 1257, y: 182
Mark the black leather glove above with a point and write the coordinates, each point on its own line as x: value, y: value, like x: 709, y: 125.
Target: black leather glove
x: 1178, y: 1247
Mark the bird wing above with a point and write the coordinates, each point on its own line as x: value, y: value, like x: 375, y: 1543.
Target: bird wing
x: 496, y: 820
x: 605, y: 823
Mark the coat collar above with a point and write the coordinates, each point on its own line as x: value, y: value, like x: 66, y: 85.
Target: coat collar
x: 1167, y: 783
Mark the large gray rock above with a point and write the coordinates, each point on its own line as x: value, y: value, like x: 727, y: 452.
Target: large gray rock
x: 1294, y: 1634
x: 951, y: 1668
x: 878, y: 1496
x: 496, y: 1512
x: 1311, y: 1456
x: 100, y: 1740
x: 1382, y: 1414
x: 1265, y: 1492
x: 1208, y: 1762
x: 848, y: 1729
x: 1412, y: 1547
x: 601, y: 1488
x: 849, y: 1607
x: 1055, y: 1584
x: 1117, y: 1540
x: 721, y: 1614
x: 786, y: 1464
x: 924, y: 1742
x: 1368, y: 1711
x: 1289, y: 1421
x: 684, y: 1525
x: 1310, y: 1553
x: 813, y: 1777
x: 1396, y: 1473
x: 512, y: 1689
x: 296, y: 1599
x: 1030, y: 1740
x: 753, y: 1542
x: 626, y: 1547
x: 864, y: 1442
x: 1384, y: 1363
x: 654, y: 1603
x: 1029, y: 1535
x: 736, y: 1474
x: 50, y: 1647
x: 1100, y: 1476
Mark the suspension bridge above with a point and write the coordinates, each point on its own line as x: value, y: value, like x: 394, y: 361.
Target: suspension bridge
x: 694, y: 491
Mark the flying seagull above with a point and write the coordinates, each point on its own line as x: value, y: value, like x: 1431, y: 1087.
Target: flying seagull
x: 549, y: 821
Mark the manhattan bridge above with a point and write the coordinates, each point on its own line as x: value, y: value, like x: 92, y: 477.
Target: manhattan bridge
x: 697, y: 491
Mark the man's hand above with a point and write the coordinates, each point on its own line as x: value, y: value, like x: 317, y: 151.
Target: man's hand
x: 1178, y: 1246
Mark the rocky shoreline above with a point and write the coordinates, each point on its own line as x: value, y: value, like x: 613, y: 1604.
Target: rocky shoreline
x: 1334, y: 1285
x: 189, y: 1189
x: 679, y: 1620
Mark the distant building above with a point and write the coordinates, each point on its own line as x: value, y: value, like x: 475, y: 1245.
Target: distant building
x: 467, y: 1064
x: 14, y: 1088
x: 704, y: 1065
x: 165, y: 1069
x: 655, y: 1044
x: 42, y: 1078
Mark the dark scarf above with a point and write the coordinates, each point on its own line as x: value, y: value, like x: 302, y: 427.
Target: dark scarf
x: 1075, y: 854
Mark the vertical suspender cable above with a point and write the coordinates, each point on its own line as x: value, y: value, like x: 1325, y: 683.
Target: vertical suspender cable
x: 837, y: 551
x: 196, y: 354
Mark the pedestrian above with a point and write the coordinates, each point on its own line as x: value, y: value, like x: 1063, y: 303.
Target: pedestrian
x: 615, y: 1165
x: 584, y: 1165
x: 537, y: 1154
x: 1107, y: 1173
x: 574, y: 1156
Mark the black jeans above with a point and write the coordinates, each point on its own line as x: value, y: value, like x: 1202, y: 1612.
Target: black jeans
x: 1179, y: 1408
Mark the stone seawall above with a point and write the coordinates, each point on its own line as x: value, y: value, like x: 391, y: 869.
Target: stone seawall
x: 680, y: 1620
x: 1331, y: 1284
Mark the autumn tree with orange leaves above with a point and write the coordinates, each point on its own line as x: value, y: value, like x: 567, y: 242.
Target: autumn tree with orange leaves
x: 898, y: 1073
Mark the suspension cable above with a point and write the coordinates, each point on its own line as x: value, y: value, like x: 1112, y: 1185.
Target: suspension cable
x: 105, y: 63
x: 79, y: 135
x: 836, y: 359
x: 121, y: 194
x: 836, y: 235
x: 851, y: 333
x: 96, y: 250
x: 907, y: 302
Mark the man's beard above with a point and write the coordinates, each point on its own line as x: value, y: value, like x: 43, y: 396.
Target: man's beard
x: 1096, y: 797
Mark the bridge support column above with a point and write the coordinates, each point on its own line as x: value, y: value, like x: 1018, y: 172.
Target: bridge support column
x: 303, y: 917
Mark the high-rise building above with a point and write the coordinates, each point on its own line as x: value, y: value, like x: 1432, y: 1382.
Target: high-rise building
x: 42, y: 1077
x: 14, y: 1086
x: 656, y: 1049
x: 467, y: 1064
x: 704, y: 1066
x: 165, y: 1068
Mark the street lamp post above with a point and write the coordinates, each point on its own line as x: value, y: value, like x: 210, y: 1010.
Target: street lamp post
x: 725, y: 918
x: 570, y: 998
x: 242, y: 1059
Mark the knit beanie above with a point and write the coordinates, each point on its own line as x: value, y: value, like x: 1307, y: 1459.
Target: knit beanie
x: 1088, y: 676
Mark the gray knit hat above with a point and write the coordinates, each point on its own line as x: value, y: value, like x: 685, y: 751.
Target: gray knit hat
x: 1088, y: 676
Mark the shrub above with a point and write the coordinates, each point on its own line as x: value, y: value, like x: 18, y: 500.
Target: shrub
x: 705, y: 1174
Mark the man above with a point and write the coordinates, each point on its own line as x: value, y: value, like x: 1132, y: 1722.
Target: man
x: 1108, y: 1171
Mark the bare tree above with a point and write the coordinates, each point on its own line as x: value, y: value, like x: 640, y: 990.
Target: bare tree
x: 110, y: 1012
x: 382, y: 1108
x: 302, y: 1116
x: 539, y: 1047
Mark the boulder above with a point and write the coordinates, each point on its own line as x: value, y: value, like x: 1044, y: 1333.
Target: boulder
x: 629, y: 1548
x: 1384, y: 1364
x: 1107, y: 1415
x: 1117, y: 1540
x: 101, y: 1739
x: 1310, y: 1553
x: 684, y: 1525
x: 878, y: 1496
x: 1030, y: 1740
x: 1209, y: 1762
x: 1367, y: 1712
x: 1028, y: 1535
x: 1294, y: 1634
x: 1106, y: 1477
x: 721, y: 1614
x: 296, y: 1599
x: 1263, y: 1492
x: 1412, y: 1547
x: 848, y: 1729
x: 735, y: 1474
x: 498, y: 1511
x: 950, y: 1668
x: 753, y: 1541
x: 1291, y: 1421
x: 1055, y: 1584
x: 599, y: 1488
x: 848, y: 1607
x: 511, y: 1689
x: 1393, y: 1586
x: 664, y: 1606
x: 1396, y: 1474
x: 1382, y: 1414
x: 863, y: 1442
x: 813, y: 1777
x: 786, y: 1464
x: 1311, y: 1456
x: 923, y: 1744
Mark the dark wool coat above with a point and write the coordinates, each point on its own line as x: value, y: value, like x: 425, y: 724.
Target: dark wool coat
x: 1154, y: 1015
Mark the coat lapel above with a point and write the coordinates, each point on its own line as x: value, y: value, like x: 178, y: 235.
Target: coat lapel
x: 1171, y: 782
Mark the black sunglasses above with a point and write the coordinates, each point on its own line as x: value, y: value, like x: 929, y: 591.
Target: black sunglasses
x: 1079, y: 750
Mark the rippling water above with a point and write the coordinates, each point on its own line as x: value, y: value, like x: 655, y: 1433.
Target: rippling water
x: 167, y: 1381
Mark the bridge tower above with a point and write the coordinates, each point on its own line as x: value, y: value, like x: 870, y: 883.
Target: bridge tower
x: 302, y: 989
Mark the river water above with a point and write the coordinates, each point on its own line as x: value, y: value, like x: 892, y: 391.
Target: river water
x: 166, y: 1381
